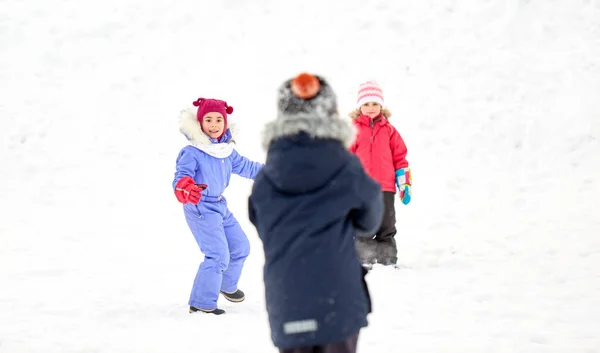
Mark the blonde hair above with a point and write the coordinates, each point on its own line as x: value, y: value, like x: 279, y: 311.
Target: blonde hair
x: 356, y: 113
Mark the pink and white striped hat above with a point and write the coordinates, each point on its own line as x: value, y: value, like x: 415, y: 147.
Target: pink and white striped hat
x: 369, y: 92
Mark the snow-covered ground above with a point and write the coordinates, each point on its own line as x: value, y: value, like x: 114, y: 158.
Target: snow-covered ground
x: 497, y: 101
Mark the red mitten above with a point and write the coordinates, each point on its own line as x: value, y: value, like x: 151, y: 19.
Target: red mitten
x: 187, y: 191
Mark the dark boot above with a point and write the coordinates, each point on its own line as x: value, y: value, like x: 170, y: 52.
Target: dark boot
x: 387, y: 253
x: 236, y: 297
x: 216, y: 311
x: 367, y: 251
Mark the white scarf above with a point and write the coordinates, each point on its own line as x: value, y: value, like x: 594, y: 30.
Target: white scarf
x: 218, y: 150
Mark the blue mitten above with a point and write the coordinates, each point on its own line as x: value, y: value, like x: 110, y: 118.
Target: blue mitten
x: 404, y: 183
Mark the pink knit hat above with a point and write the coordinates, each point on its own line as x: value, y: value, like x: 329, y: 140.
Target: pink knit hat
x: 212, y: 105
x: 369, y: 92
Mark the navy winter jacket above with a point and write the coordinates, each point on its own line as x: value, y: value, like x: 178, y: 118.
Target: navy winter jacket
x: 308, y: 203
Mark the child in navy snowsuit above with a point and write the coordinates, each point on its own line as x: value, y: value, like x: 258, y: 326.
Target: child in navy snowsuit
x: 308, y: 203
x: 204, y: 168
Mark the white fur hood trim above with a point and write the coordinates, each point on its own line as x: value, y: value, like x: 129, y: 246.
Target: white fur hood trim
x: 190, y: 128
x: 317, y: 127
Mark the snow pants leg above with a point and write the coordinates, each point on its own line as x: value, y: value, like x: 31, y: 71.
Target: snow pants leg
x: 225, y: 248
x: 382, y: 247
x: 346, y: 346
x: 387, y: 252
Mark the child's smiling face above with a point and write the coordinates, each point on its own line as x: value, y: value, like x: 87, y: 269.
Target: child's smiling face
x: 213, y: 124
x: 370, y: 109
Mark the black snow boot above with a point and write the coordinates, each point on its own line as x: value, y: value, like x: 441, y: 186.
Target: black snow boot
x: 216, y: 311
x: 236, y: 297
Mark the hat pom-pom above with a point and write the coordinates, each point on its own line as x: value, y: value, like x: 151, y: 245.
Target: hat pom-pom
x: 197, y: 102
x: 229, y: 109
x: 305, y: 86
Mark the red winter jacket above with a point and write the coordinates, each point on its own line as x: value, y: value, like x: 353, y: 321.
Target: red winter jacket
x: 380, y: 149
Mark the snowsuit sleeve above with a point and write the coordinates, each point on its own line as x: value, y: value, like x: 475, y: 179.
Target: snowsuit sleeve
x: 186, y: 165
x: 367, y: 217
x: 398, y: 150
x: 243, y: 166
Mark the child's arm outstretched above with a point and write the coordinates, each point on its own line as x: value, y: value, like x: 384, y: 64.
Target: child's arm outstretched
x: 243, y: 166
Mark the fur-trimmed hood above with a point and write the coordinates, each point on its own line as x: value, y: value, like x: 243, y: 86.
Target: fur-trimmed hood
x: 330, y: 128
x: 190, y: 127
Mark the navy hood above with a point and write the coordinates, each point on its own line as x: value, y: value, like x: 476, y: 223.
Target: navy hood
x: 299, y: 164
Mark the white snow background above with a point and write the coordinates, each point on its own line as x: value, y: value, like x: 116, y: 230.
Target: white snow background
x: 497, y: 100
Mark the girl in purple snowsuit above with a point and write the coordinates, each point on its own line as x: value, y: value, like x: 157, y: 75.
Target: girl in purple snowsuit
x: 204, y: 168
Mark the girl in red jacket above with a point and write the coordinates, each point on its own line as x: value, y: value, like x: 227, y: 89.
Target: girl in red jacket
x: 382, y: 153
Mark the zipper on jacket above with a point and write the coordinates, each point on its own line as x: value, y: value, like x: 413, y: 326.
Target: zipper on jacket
x: 373, y: 121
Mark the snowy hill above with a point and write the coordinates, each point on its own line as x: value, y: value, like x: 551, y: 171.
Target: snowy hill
x: 496, y: 100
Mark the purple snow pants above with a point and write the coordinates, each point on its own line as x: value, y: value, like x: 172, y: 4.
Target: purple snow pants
x: 225, y: 248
